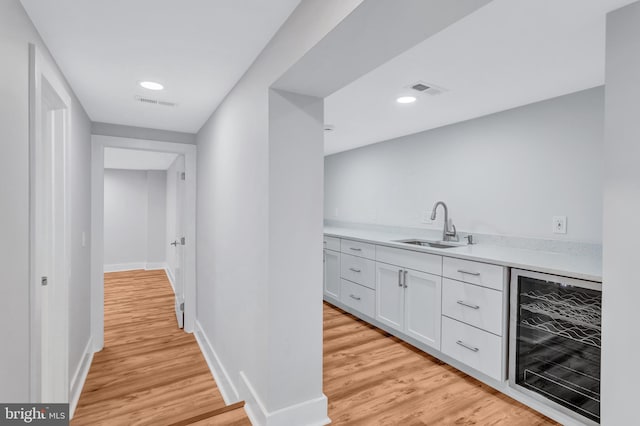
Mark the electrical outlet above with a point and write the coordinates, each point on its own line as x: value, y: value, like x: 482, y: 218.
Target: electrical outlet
x: 559, y: 224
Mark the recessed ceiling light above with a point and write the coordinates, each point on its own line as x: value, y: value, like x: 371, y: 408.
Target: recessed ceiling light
x: 406, y: 99
x: 151, y: 85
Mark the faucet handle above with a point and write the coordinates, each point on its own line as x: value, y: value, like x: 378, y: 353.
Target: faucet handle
x: 469, y: 239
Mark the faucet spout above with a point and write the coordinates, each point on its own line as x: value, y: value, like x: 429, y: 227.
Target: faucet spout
x: 447, y: 235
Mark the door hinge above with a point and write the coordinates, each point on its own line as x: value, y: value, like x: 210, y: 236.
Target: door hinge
x: 183, y: 241
x: 44, y: 281
x: 183, y: 176
x: 182, y: 307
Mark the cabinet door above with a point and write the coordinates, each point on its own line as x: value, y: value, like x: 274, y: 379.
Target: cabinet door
x: 422, y: 307
x: 332, y: 274
x: 389, y: 296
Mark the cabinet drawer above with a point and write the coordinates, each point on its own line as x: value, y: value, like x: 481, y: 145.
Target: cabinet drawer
x: 358, y: 248
x: 360, y: 298
x: 483, y: 274
x: 409, y: 259
x: 473, y: 347
x: 478, y: 306
x: 332, y: 243
x: 358, y: 270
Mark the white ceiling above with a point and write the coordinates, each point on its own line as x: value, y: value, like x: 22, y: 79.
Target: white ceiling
x: 506, y: 54
x: 197, y: 48
x: 131, y: 159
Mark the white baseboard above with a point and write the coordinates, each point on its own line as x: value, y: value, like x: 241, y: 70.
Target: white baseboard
x: 132, y: 266
x: 309, y: 413
x: 118, y: 267
x: 155, y: 266
x: 79, y: 377
x: 225, y: 385
x: 169, y: 273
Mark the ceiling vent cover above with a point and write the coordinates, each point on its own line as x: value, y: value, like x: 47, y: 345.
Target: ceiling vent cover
x: 425, y: 88
x: 151, y: 101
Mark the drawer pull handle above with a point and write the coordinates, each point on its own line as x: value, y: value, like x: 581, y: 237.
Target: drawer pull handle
x: 354, y: 270
x: 354, y: 297
x: 404, y: 281
x: 464, y: 345
x: 468, y: 305
x: 355, y: 249
x: 400, y: 278
x: 462, y: 271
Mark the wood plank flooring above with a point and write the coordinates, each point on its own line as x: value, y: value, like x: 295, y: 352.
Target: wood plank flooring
x: 372, y: 378
x: 150, y: 372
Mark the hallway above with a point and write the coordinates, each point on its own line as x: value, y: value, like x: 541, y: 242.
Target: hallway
x: 149, y: 372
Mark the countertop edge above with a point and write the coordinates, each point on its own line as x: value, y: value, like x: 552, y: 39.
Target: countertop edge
x: 478, y: 258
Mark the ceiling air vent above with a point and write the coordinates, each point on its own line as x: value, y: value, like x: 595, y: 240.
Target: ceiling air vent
x: 426, y: 88
x: 151, y: 101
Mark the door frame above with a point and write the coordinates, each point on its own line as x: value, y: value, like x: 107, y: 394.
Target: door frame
x: 98, y: 144
x: 49, y: 247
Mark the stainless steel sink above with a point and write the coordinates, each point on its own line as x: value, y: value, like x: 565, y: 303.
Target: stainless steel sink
x: 434, y: 244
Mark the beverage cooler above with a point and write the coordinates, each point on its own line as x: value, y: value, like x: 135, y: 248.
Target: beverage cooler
x: 554, y: 342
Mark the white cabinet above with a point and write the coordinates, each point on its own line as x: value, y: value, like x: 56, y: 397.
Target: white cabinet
x: 478, y: 273
x: 360, y: 298
x: 478, y: 306
x: 389, y: 296
x: 332, y: 243
x: 332, y: 274
x: 409, y: 301
x: 422, y: 307
x: 359, y: 270
x: 473, y: 347
x: 358, y: 248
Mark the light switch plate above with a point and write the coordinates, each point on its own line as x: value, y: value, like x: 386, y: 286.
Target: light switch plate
x: 559, y: 224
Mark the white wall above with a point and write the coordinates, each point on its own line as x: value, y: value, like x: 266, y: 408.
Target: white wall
x: 156, y: 218
x: 16, y: 32
x: 172, y: 175
x: 621, y: 231
x: 506, y: 173
x: 232, y: 215
x: 134, y: 218
x: 295, y: 162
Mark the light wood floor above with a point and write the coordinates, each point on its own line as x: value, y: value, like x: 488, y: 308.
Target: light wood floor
x: 149, y: 372
x: 372, y: 378
x: 152, y: 373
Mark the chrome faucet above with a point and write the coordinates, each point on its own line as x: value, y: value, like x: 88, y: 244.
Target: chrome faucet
x: 446, y: 234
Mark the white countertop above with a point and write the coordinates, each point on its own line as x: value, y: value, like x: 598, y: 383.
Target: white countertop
x: 587, y: 267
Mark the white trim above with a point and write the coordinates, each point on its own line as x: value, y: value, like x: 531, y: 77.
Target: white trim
x: 49, y: 249
x: 80, y: 377
x: 98, y: 143
x: 224, y: 383
x: 169, y: 273
x: 119, y: 267
x: 155, y: 266
x: 312, y: 412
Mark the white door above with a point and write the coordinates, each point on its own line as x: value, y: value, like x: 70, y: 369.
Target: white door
x: 422, y: 307
x: 179, y: 243
x: 389, y: 295
x: 332, y: 274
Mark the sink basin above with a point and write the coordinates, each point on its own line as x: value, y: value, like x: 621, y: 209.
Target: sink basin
x: 434, y: 244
